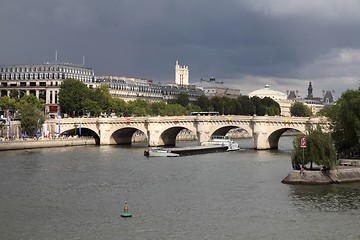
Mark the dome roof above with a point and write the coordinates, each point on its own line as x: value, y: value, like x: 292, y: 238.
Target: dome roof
x: 267, y: 92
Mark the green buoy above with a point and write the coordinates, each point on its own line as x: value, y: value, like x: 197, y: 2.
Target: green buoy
x: 126, y: 211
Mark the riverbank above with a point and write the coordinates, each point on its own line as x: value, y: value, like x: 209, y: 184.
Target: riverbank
x: 341, y: 174
x: 48, y: 143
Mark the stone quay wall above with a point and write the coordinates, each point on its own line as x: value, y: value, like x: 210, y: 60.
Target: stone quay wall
x: 338, y: 175
x: 32, y: 144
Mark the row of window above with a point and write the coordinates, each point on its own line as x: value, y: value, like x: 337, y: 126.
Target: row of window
x: 53, y: 95
x: 31, y: 84
x: 28, y: 76
x: 43, y: 69
x: 135, y: 88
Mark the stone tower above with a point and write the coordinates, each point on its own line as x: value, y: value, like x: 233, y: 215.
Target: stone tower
x: 181, y: 74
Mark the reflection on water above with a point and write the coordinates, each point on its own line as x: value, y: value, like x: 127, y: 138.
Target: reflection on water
x: 327, y: 198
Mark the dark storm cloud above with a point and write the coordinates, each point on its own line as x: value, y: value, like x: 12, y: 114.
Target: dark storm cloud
x: 284, y: 43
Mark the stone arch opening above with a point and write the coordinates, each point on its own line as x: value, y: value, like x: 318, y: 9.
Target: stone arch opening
x: 126, y: 136
x: 169, y: 136
x: 231, y: 131
x: 275, y: 136
x: 82, y: 132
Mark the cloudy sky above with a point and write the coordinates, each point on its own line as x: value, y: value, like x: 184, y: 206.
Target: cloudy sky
x: 244, y: 43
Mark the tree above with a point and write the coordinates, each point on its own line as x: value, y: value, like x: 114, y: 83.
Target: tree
x: 91, y: 107
x: 229, y: 106
x: 102, y: 97
x: 7, y: 103
x: 218, y: 104
x: 182, y: 99
x: 299, y: 109
x: 319, y: 150
x: 139, y: 107
x: 32, y: 114
x: 14, y: 94
x: 118, y: 106
x: 72, y: 93
x: 345, y: 117
x: 248, y: 107
x: 204, y: 103
x: 158, y: 109
x: 272, y: 107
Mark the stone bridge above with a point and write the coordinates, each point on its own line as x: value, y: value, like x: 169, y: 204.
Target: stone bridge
x: 162, y: 131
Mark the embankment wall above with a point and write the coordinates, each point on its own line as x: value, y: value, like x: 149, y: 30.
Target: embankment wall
x: 31, y: 144
x: 338, y: 175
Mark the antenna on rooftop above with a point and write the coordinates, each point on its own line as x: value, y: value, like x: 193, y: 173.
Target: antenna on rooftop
x: 55, y: 55
x: 83, y: 60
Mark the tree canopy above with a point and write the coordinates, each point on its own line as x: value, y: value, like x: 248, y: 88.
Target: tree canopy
x: 72, y: 96
x: 345, y: 117
x: 299, y: 109
x: 319, y: 150
x: 32, y: 114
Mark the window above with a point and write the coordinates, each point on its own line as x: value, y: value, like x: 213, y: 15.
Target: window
x: 42, y: 84
x: 23, y: 84
x: 32, y: 84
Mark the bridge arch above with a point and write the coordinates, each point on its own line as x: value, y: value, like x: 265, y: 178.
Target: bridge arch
x: 167, y: 137
x: 220, y: 128
x: 124, y: 135
x: 274, y: 137
x: 82, y: 132
x: 225, y: 129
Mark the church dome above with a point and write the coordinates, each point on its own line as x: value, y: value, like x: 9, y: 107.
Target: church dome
x: 267, y: 92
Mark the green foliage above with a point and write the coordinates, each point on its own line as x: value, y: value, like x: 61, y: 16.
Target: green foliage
x: 139, y: 107
x: 319, y: 150
x: 272, y: 107
x: 218, y: 104
x: 247, y: 105
x: 71, y: 96
x: 158, y: 109
x: 90, y: 107
x: 345, y: 116
x: 7, y: 103
x: 182, y: 99
x: 204, y: 104
x: 118, y: 106
x: 102, y: 97
x: 14, y: 94
x: 32, y: 113
x: 299, y: 109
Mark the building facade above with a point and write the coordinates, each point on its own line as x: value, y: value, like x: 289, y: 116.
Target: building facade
x: 314, y: 103
x: 42, y: 81
x: 213, y: 88
x: 130, y: 89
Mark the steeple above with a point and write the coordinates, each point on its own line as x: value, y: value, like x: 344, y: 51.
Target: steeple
x: 310, y: 91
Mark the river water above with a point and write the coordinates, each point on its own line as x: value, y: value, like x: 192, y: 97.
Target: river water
x: 79, y: 192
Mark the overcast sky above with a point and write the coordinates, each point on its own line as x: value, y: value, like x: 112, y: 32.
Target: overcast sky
x: 244, y: 43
